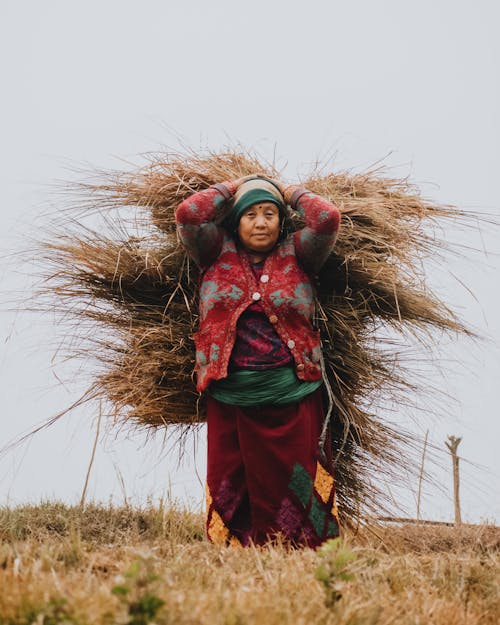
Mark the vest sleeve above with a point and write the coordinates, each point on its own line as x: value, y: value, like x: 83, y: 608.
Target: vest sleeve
x: 195, y: 217
x: 315, y: 241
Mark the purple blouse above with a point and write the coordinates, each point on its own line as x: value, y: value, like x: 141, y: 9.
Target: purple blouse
x: 257, y: 345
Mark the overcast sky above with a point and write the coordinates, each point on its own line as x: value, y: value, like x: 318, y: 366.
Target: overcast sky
x: 100, y: 82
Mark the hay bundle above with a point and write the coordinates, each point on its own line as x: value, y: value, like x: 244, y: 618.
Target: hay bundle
x: 141, y: 290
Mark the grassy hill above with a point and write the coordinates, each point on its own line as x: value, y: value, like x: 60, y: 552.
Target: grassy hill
x: 65, y: 565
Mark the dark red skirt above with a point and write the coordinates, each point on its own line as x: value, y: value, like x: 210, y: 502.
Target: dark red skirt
x: 264, y: 477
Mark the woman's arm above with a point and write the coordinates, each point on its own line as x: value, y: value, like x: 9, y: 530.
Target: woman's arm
x: 195, y: 216
x: 315, y: 241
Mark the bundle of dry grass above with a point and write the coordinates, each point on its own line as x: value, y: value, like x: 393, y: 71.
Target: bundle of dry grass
x: 141, y: 290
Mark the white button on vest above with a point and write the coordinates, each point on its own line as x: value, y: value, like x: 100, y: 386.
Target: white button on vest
x: 264, y: 277
x: 291, y: 344
x: 256, y: 296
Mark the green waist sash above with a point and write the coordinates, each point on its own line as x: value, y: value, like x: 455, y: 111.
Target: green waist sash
x: 252, y: 388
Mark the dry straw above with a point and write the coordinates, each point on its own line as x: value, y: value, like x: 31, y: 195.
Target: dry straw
x: 133, y: 301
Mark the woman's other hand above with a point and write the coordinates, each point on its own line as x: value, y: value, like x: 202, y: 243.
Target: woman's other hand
x: 288, y: 191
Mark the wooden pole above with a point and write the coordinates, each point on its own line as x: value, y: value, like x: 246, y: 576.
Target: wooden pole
x: 452, y: 443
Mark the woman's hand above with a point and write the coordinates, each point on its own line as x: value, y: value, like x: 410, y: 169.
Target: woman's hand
x: 288, y: 191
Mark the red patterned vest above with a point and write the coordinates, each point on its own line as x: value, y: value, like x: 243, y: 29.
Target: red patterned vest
x: 285, y: 293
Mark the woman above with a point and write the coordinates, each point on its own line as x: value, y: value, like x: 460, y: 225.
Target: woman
x: 259, y: 359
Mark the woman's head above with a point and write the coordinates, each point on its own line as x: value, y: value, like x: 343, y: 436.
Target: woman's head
x: 259, y: 227
x: 257, y: 215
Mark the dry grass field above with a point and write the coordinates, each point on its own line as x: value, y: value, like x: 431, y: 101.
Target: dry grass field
x: 65, y: 565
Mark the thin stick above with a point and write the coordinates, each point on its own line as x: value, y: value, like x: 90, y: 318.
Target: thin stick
x: 421, y: 476
x: 84, y: 492
x: 452, y: 443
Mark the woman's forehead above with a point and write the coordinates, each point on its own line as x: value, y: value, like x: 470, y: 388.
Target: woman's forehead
x: 263, y: 206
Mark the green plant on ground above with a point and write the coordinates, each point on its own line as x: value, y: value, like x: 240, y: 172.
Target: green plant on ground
x: 55, y: 611
x: 137, y: 592
x: 333, y: 569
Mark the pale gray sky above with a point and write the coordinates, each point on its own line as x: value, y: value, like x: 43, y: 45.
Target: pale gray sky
x: 101, y: 81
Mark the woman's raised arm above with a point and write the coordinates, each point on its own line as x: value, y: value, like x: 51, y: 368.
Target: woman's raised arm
x: 195, y: 216
x: 315, y: 241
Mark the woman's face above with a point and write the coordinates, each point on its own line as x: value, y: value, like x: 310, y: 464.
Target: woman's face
x: 259, y: 227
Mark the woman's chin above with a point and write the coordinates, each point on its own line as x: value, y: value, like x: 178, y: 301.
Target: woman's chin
x: 260, y: 244
x: 260, y: 249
